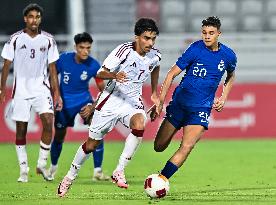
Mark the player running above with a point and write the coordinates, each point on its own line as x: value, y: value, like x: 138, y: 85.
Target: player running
x: 205, y: 62
x: 127, y: 67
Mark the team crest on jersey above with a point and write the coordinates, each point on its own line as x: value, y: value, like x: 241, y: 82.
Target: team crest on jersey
x: 43, y: 49
x: 150, y: 68
x: 84, y: 75
x: 221, y: 65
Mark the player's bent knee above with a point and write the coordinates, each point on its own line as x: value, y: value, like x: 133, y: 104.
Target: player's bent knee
x: 158, y: 147
x: 90, y: 145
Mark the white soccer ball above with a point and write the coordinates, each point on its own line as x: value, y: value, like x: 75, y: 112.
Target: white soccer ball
x: 156, y: 186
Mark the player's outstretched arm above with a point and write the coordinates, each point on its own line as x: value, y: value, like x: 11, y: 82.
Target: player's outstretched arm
x: 55, y: 86
x: 104, y: 73
x: 227, y: 86
x: 173, y: 72
x: 4, y: 76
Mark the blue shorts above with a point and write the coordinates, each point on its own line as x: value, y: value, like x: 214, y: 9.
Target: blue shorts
x: 66, y: 117
x: 181, y: 116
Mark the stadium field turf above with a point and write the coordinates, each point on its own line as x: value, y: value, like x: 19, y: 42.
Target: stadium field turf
x: 217, y: 173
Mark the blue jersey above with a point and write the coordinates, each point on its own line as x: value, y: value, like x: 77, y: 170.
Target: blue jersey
x: 74, y: 79
x: 204, y: 70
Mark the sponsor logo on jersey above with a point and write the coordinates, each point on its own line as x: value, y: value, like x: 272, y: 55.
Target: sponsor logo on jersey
x: 23, y: 46
x: 84, y: 75
x: 133, y: 64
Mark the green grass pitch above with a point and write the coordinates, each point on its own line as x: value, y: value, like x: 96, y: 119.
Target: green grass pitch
x: 216, y: 173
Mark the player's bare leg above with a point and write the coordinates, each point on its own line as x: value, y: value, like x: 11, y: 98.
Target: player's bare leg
x: 45, y: 143
x: 164, y: 136
x: 191, y: 135
x: 56, y: 148
x: 21, y: 131
x: 81, y: 156
x: 137, y: 124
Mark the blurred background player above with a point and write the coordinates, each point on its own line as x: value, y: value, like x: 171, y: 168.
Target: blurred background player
x: 127, y: 67
x: 205, y: 62
x: 32, y: 51
x: 76, y: 69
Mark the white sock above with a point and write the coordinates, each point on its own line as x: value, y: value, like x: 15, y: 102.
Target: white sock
x: 22, y: 157
x: 43, y: 154
x: 79, y: 159
x: 97, y: 169
x: 131, y: 145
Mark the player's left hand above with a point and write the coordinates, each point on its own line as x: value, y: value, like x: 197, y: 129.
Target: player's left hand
x: 86, y: 111
x: 58, y: 103
x: 219, y: 104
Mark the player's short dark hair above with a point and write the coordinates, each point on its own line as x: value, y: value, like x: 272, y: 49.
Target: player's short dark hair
x: 83, y: 37
x: 145, y: 24
x: 32, y: 7
x: 212, y: 21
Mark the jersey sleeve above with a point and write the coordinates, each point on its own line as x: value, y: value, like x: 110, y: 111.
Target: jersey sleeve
x: 187, y: 58
x: 158, y: 59
x: 53, y: 54
x: 114, y: 59
x: 8, y: 50
x: 59, y: 62
x: 232, y: 63
x: 95, y: 67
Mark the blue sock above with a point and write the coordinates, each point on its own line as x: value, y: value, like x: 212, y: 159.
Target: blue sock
x: 169, y: 169
x: 56, y: 148
x: 98, y: 155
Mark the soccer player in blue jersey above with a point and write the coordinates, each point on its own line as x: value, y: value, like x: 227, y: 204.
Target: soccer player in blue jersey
x: 76, y: 69
x: 204, y: 62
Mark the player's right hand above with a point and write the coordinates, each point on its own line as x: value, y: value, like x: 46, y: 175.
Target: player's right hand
x: 121, y: 77
x: 153, y: 114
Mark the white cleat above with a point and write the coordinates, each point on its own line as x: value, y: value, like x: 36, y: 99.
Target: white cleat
x: 100, y: 176
x: 43, y: 171
x: 119, y: 178
x: 64, y: 186
x: 52, y: 172
x: 23, y: 175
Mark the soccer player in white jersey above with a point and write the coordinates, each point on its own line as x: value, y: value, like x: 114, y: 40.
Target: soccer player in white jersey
x: 127, y: 67
x: 31, y: 51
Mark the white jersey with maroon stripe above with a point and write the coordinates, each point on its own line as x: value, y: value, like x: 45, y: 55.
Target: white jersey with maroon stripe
x: 137, y: 68
x: 30, y: 56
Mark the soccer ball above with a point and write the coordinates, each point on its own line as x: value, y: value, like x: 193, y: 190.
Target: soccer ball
x: 156, y: 186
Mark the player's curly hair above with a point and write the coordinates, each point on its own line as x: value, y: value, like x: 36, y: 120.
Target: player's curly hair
x: 145, y: 24
x: 83, y: 37
x: 212, y: 21
x: 32, y: 7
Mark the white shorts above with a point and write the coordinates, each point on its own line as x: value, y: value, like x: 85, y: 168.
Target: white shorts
x: 114, y: 110
x: 20, y: 109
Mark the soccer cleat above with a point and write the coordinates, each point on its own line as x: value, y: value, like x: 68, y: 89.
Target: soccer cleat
x: 23, y: 175
x: 64, y: 186
x: 52, y: 172
x: 100, y: 176
x: 118, y: 177
x: 43, y: 171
